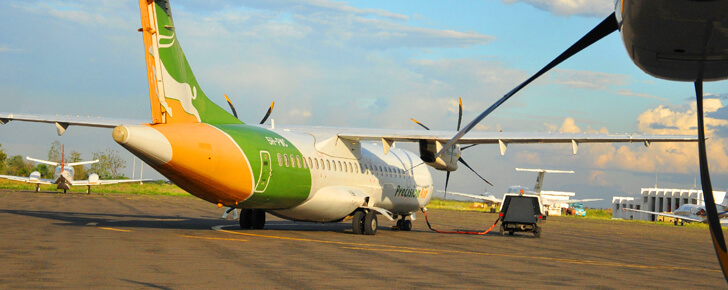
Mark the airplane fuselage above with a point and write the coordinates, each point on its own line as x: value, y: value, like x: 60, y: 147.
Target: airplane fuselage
x: 63, y: 177
x: 309, y: 176
x: 674, y: 39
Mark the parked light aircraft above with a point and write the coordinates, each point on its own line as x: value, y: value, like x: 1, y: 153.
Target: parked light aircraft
x: 673, y: 40
x: 548, y: 203
x: 63, y: 176
x: 314, y: 174
x: 689, y: 212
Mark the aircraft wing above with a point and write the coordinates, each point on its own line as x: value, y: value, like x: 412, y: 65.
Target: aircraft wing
x: 570, y: 201
x: 489, y: 199
x: 27, y: 179
x: 682, y: 217
x: 487, y: 137
x: 108, y: 181
x: 66, y: 120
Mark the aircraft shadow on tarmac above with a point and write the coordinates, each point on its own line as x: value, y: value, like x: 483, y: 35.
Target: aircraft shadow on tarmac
x: 170, y: 222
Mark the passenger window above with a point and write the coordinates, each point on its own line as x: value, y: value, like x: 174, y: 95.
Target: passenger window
x: 328, y: 165
x: 316, y: 161
x: 298, y: 161
x: 310, y: 163
x: 285, y: 159
x: 293, y: 160
x: 346, y: 169
x: 339, y: 165
x: 351, y: 169
x: 280, y: 160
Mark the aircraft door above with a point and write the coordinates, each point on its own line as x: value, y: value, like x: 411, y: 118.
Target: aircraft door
x: 265, y: 172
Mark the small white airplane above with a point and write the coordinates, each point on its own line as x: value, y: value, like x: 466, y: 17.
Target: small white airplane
x: 689, y: 212
x: 548, y: 203
x: 63, y: 176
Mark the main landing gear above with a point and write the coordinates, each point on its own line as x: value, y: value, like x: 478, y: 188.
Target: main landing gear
x: 404, y: 224
x: 252, y: 219
x: 364, y: 222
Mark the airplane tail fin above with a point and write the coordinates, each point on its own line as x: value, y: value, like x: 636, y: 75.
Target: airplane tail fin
x: 174, y: 93
x: 541, y: 173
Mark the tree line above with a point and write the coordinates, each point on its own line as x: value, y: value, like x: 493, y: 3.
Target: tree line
x: 109, y: 166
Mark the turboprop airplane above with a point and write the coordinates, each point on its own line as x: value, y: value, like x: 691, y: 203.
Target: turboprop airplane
x: 315, y: 174
x: 550, y: 205
x: 689, y: 212
x: 63, y: 176
x: 676, y: 40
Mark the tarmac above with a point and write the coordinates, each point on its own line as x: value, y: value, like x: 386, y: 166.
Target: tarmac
x: 74, y: 240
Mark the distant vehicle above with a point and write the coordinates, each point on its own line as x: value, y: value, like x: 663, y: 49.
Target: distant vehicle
x: 63, y: 176
x: 521, y: 213
x: 578, y: 209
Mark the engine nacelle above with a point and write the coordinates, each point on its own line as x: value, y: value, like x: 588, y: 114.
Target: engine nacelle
x: 328, y: 204
x: 93, y: 178
x: 448, y: 161
x: 35, y: 175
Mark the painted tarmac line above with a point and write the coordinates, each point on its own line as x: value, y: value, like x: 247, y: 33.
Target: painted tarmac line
x: 421, y: 250
x: 391, y: 250
x: 211, y: 238
x: 113, y: 229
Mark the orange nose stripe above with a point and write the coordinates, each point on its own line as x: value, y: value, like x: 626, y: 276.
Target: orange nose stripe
x: 207, y: 162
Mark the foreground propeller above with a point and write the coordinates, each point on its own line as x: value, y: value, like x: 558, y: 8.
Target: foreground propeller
x: 461, y: 160
x: 267, y: 114
x: 606, y: 27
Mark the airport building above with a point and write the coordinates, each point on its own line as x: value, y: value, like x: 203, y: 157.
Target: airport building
x: 659, y: 200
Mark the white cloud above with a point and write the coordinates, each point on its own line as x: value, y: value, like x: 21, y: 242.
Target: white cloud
x: 593, y: 8
x: 629, y: 93
x: 588, y: 79
x: 667, y: 157
x: 5, y: 48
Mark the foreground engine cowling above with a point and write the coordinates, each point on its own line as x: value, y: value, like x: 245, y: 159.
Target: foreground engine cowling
x: 448, y: 161
x: 35, y: 175
x: 328, y: 204
x: 93, y: 178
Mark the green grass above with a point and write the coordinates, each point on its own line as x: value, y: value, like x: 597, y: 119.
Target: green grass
x: 148, y: 188
x: 455, y: 205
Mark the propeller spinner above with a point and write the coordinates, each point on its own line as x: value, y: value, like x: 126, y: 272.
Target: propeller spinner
x: 460, y: 159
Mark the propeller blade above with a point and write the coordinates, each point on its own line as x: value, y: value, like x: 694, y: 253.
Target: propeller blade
x: 716, y: 231
x: 231, y: 106
x: 270, y: 110
x: 606, y: 27
x: 418, y: 123
x: 473, y: 170
x: 447, y: 180
x: 460, y: 113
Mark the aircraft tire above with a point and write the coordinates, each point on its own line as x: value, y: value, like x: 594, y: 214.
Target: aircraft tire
x: 406, y: 225
x: 399, y: 225
x: 536, y: 232
x: 357, y: 223
x: 502, y: 229
x: 370, y: 223
x: 258, y: 219
x: 246, y: 216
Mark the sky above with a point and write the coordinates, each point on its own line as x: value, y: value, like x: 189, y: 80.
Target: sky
x: 372, y: 64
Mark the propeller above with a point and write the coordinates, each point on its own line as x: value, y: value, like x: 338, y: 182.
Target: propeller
x: 235, y: 113
x: 461, y: 160
x: 606, y: 27
x: 267, y: 114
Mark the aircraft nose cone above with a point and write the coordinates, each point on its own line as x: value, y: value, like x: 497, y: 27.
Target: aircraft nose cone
x: 120, y: 134
x: 145, y: 142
